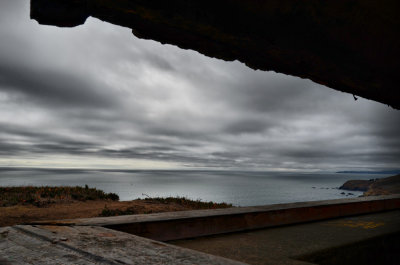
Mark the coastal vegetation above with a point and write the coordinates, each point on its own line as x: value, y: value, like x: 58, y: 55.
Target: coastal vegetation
x: 19, y: 205
x: 196, y: 204
x: 40, y: 196
x: 181, y: 201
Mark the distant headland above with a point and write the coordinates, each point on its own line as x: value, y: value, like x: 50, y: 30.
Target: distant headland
x: 372, y: 187
x: 388, y: 172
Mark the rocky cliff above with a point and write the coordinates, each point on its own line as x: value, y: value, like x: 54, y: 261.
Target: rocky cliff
x: 351, y: 46
x: 389, y: 185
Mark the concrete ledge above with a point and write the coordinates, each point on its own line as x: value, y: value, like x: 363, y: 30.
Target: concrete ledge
x: 85, y: 245
x: 188, y: 224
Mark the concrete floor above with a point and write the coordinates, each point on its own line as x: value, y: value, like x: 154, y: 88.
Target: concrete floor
x: 365, y: 239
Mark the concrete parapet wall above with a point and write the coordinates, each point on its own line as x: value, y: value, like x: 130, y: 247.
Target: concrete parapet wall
x: 188, y: 224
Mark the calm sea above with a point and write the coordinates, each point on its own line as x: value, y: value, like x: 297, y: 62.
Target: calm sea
x: 238, y: 188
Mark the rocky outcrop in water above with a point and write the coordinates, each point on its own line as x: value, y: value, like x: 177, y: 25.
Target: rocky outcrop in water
x: 351, y: 46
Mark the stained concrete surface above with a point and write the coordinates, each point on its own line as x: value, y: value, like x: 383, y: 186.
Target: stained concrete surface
x: 365, y: 239
x: 79, y: 245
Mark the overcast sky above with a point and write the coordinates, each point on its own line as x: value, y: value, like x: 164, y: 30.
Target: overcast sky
x: 95, y: 96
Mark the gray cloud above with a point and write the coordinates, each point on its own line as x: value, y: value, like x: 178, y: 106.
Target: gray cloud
x: 246, y: 126
x: 97, y: 91
x: 53, y: 88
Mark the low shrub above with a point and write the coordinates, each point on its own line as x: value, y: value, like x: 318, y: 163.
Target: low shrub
x: 106, y: 212
x: 189, y: 203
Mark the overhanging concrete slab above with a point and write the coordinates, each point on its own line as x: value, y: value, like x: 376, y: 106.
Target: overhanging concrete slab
x: 351, y: 46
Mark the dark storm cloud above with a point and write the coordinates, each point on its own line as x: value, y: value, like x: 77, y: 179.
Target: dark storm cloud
x: 97, y: 91
x: 53, y: 88
x: 274, y: 94
x: 158, y: 62
x: 45, y: 170
x: 36, y: 143
x: 7, y: 149
x: 36, y: 136
x: 246, y: 126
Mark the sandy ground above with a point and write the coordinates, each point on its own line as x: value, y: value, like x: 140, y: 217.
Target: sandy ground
x: 68, y: 210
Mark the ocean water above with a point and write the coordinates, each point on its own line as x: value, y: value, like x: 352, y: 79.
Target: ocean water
x: 238, y: 188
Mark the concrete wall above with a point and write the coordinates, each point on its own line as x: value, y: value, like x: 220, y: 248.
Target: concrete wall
x: 188, y: 224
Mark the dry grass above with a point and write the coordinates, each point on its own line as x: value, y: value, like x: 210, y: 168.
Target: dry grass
x: 183, y: 202
x: 20, y: 205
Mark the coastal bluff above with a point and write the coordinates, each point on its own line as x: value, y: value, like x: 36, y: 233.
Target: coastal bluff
x: 372, y: 187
